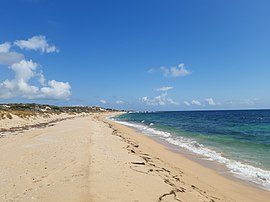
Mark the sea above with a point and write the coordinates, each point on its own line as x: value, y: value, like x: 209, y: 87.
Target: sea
x: 236, y: 139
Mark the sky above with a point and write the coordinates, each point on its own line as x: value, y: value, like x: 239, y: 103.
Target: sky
x: 136, y: 55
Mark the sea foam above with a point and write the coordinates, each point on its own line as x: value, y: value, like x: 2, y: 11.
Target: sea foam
x: 246, y: 172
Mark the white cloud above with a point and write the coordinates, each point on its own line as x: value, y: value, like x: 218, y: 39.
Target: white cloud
x: 41, y: 78
x: 20, y: 85
x: 5, y: 47
x: 180, y: 70
x: 56, y: 90
x: 24, y: 70
x: 171, y: 101
x: 161, y: 99
x: 158, y: 100
x: 36, y: 43
x: 119, y: 102
x: 7, y: 57
x: 211, y: 102
x: 103, y: 101
x: 196, y: 102
x: 164, y: 88
x: 144, y: 99
x: 177, y: 71
x: 186, y: 103
x: 10, y: 58
x: 29, y: 82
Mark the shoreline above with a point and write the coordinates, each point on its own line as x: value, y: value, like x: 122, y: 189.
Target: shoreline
x: 216, y: 169
x: 220, y: 167
x: 91, y: 158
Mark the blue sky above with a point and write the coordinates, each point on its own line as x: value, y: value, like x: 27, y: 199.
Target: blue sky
x: 142, y: 55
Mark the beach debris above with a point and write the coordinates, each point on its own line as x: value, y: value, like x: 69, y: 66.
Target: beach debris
x: 173, y: 193
x: 138, y: 163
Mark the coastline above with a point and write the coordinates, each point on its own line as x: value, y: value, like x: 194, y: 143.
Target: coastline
x: 218, y: 167
x: 215, y: 152
x: 229, y: 186
x: 91, y: 158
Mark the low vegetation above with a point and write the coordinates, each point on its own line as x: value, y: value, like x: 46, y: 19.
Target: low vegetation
x: 7, y: 111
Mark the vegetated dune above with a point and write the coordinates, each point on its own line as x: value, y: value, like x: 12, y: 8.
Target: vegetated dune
x: 17, y: 117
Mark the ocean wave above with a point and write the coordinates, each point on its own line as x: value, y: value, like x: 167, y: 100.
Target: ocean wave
x: 145, y: 129
x: 239, y: 169
x: 246, y: 172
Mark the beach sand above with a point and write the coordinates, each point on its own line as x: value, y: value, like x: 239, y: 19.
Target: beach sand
x: 90, y: 158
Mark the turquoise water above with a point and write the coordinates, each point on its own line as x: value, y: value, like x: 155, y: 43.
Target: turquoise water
x: 240, y: 139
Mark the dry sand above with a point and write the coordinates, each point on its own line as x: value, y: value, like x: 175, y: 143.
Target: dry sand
x: 17, y: 122
x: 93, y: 159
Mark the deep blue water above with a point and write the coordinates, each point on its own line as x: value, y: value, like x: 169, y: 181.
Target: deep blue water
x: 240, y: 139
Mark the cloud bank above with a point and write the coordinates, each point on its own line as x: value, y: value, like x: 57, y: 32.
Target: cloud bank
x: 207, y: 102
x: 29, y: 82
x: 210, y: 101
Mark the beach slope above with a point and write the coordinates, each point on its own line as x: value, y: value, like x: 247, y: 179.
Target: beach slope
x: 91, y: 158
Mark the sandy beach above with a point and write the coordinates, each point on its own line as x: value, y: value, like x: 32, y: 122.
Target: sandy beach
x: 90, y: 158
